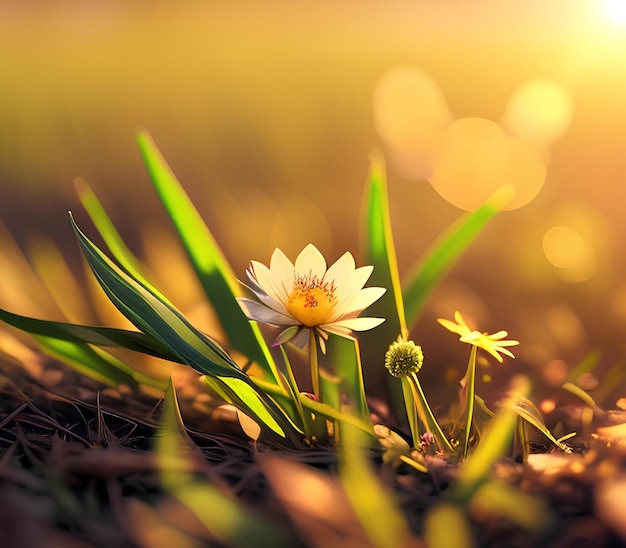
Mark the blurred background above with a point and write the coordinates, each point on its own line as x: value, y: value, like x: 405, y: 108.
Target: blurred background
x: 267, y: 112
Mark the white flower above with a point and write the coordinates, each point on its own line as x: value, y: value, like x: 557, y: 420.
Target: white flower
x: 308, y: 296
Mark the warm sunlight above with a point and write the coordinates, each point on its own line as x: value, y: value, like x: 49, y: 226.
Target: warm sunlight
x: 615, y: 10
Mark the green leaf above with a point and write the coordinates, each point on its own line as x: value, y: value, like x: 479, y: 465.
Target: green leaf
x: 580, y: 393
x: 99, y: 336
x: 469, y: 381
x: 527, y: 411
x: 447, y: 525
x: 380, y: 252
x: 103, y: 368
x: 222, y: 516
x: 344, y: 353
x: 157, y: 318
x: 445, y: 251
x: 215, y: 275
x: 112, y: 238
x: 373, y: 504
x: 494, y: 444
x: 412, y: 414
x: 256, y: 405
x: 163, y: 322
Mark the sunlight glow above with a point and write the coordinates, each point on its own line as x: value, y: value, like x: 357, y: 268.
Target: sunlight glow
x: 615, y: 10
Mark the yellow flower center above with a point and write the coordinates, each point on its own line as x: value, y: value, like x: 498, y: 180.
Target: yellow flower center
x: 311, y: 301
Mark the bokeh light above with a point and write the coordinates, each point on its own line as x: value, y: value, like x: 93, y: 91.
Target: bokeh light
x: 540, y: 112
x: 577, y: 243
x: 478, y: 158
x: 411, y: 117
x: 567, y: 250
x: 564, y: 247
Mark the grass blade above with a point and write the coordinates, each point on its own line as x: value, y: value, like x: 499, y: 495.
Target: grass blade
x: 99, y: 336
x: 111, y: 236
x: 377, y: 511
x: 157, y: 318
x: 98, y: 365
x: 442, y: 255
x: 163, y: 322
x: 224, y: 518
x: 380, y: 252
x: 527, y: 411
x: 215, y: 275
x: 494, y: 443
x: 344, y: 353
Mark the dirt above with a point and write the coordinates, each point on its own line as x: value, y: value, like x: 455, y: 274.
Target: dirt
x: 78, y: 469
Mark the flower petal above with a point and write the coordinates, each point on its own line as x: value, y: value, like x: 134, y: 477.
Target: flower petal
x: 311, y: 261
x: 286, y: 335
x: 264, y: 280
x: 355, y: 324
x: 273, y: 304
x: 340, y: 273
x: 282, y: 271
x: 301, y: 338
x: 459, y: 320
x: 363, y: 299
x: 261, y: 313
x: 352, y: 287
x: 454, y: 327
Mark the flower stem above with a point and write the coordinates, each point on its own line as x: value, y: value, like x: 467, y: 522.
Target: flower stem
x: 470, y: 381
x: 426, y: 415
x: 313, y: 363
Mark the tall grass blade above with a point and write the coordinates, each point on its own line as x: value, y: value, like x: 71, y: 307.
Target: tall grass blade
x: 380, y: 252
x: 375, y: 507
x: 111, y: 236
x: 224, y: 518
x: 217, y: 279
x: 163, y: 322
x: 445, y: 251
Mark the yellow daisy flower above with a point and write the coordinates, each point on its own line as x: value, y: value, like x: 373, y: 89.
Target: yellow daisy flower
x: 309, y: 296
x: 494, y: 344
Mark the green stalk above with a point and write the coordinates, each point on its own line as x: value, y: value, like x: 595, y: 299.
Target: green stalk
x: 426, y: 415
x: 315, y: 368
x: 470, y: 378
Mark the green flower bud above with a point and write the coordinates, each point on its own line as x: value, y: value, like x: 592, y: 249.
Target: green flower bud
x: 403, y: 358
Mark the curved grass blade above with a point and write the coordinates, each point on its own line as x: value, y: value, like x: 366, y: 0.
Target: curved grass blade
x: 373, y: 504
x: 494, y: 443
x: 98, y: 365
x: 222, y: 516
x: 163, y: 322
x: 215, y: 275
x: 446, y: 250
x: 111, y: 236
x: 157, y: 318
x: 99, y: 336
x: 527, y: 411
x: 380, y: 252
x: 243, y: 396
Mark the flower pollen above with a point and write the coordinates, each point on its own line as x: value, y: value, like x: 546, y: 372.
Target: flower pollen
x: 312, y: 300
